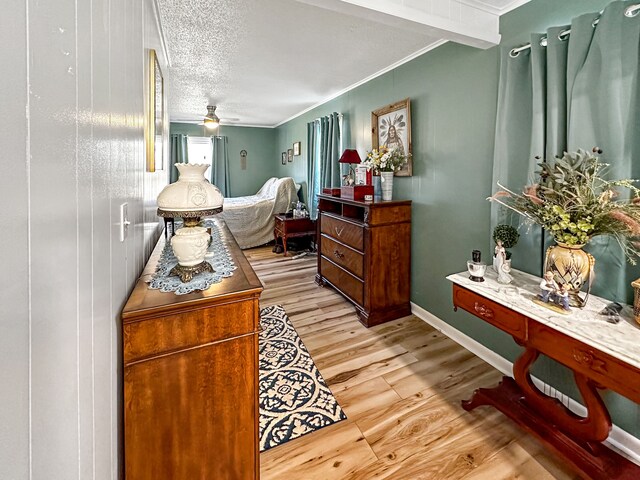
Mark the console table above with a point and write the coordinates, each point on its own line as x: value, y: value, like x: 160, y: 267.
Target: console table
x: 601, y: 355
x: 191, y: 378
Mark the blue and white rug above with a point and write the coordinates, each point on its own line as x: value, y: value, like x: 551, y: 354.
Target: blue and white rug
x: 294, y: 398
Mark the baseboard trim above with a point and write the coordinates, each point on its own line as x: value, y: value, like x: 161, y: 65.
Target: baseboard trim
x: 620, y: 440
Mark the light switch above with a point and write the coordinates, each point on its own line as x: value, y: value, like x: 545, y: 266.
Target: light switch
x: 124, y: 221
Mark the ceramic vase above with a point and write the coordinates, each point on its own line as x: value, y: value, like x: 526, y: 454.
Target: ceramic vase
x: 636, y: 300
x: 571, y: 266
x: 386, y: 185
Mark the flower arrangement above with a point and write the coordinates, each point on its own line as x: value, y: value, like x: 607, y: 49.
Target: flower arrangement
x: 385, y: 159
x: 508, y: 235
x: 574, y: 202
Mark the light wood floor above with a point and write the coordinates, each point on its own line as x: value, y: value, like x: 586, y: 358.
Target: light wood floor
x: 400, y: 385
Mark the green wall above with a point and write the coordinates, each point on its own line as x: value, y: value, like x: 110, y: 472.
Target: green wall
x: 453, y: 91
x: 259, y: 144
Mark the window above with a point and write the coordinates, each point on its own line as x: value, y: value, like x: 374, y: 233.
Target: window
x: 200, y: 150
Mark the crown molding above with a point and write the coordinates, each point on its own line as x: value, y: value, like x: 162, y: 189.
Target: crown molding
x: 365, y: 80
x: 163, y: 41
x: 486, y: 7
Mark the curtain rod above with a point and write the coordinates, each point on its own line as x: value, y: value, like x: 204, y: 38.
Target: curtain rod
x: 630, y: 11
x: 340, y: 115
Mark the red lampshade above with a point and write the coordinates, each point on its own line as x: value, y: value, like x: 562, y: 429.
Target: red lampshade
x: 350, y: 156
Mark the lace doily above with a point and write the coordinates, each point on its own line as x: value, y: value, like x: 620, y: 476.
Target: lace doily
x: 217, y: 255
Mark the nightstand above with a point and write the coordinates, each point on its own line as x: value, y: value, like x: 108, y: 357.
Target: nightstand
x: 289, y: 227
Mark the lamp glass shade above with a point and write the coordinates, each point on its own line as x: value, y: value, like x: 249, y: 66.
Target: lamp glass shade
x: 211, y: 122
x: 192, y: 192
x: 350, y: 156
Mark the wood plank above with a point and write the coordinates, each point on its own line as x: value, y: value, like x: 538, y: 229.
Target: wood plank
x: 336, y: 451
x: 400, y: 384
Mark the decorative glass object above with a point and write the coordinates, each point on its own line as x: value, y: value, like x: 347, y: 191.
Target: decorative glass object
x: 476, y: 267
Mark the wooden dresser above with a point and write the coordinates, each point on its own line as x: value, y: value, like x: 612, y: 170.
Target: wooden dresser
x: 364, y: 252
x: 191, y: 378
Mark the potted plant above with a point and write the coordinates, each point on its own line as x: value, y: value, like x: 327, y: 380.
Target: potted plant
x: 385, y: 161
x: 574, y: 202
x: 508, y: 235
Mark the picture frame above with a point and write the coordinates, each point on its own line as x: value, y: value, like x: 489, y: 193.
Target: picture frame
x: 290, y: 155
x: 297, y: 147
x: 155, y: 125
x: 391, y: 126
x: 284, y: 158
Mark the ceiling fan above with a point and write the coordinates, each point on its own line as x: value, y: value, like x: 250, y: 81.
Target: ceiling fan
x: 211, y: 120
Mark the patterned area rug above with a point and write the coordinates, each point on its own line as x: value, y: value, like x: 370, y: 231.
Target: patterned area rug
x: 294, y: 398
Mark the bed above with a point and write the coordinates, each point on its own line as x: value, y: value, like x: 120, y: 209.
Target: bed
x: 250, y: 218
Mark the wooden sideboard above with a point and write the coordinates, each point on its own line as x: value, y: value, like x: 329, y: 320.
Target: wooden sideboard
x: 191, y: 378
x: 364, y: 252
x: 602, y: 355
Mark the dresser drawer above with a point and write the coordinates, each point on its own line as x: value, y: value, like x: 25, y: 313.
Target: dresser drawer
x: 182, y: 331
x: 342, y: 280
x: 505, y: 319
x: 343, y: 256
x: 345, y: 232
x: 604, y: 369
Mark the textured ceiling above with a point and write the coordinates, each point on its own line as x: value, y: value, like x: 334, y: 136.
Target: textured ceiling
x: 262, y: 62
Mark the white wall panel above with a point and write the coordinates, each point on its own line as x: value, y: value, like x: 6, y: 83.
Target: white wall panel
x: 14, y: 293
x: 54, y: 242
x: 74, y: 91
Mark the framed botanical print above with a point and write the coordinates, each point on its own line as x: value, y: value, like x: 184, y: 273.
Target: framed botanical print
x: 290, y: 155
x: 154, y: 134
x: 297, y: 146
x: 391, y: 126
x: 284, y: 158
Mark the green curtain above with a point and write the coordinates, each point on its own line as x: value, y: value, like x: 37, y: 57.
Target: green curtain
x: 313, y: 185
x: 178, y: 153
x: 330, y: 150
x: 323, y: 155
x: 579, y: 91
x: 220, y: 165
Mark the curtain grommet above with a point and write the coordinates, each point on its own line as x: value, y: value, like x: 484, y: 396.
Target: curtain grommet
x: 513, y: 53
x: 632, y: 11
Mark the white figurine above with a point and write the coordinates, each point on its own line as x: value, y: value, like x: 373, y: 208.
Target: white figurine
x: 548, y: 287
x: 499, y: 256
x: 501, y: 265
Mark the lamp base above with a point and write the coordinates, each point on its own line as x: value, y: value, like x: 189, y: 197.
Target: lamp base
x: 187, y: 273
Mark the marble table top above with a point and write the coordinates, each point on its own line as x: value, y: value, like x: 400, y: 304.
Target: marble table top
x: 620, y: 340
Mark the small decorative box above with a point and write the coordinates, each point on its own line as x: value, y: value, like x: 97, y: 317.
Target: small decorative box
x: 356, y: 192
x: 334, y: 192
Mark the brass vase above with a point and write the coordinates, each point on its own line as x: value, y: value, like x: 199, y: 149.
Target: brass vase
x: 636, y: 299
x: 571, y: 266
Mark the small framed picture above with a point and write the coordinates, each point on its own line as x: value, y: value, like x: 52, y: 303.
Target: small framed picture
x: 284, y: 158
x: 296, y: 148
x: 290, y: 154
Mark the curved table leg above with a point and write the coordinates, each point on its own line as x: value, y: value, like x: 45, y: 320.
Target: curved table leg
x: 575, y: 439
x: 595, y: 427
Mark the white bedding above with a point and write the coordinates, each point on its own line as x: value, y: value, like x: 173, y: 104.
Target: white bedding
x: 250, y: 218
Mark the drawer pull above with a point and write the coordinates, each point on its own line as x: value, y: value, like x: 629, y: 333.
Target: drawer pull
x: 483, y: 310
x: 338, y: 254
x: 338, y: 231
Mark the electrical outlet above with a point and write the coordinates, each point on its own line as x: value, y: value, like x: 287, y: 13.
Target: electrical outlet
x: 124, y: 221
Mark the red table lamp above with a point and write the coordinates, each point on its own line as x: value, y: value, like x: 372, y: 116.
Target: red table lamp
x: 350, y: 156
x: 349, y: 189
